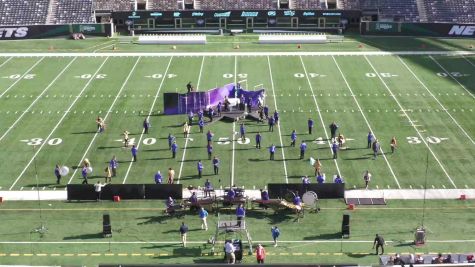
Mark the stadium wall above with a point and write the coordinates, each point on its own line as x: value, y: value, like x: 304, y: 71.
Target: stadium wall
x: 48, y: 31
x: 418, y: 29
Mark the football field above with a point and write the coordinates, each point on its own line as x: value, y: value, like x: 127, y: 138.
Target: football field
x: 49, y: 104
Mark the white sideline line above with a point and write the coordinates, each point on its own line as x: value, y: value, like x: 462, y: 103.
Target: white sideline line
x: 278, y: 125
x: 464, y: 57
x: 6, y: 61
x: 200, y: 54
x: 320, y: 115
x: 148, y: 116
x: 451, y: 76
x: 58, y: 124
x: 366, y: 120
x: 37, y: 98
x: 233, y: 135
x: 411, y: 122
x: 186, y: 141
x: 440, y: 104
x: 105, y: 118
x: 22, y: 76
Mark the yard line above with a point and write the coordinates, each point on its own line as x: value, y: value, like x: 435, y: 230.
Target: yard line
x: 149, y: 114
x: 22, y: 76
x: 442, y: 106
x: 468, y: 60
x: 278, y: 125
x: 233, y: 135
x: 58, y: 124
x: 37, y: 98
x: 6, y: 61
x: 186, y: 141
x: 411, y: 122
x: 365, y: 119
x: 451, y: 76
x: 320, y: 114
x: 105, y: 118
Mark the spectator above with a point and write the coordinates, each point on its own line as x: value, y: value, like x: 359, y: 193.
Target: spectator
x: 419, y: 259
x: 183, y: 232
x: 229, y: 250
x: 203, y: 214
x: 260, y: 254
x: 448, y: 259
x: 275, y: 234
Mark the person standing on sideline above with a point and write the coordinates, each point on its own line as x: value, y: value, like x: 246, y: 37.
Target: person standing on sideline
x: 393, y: 144
x: 199, y: 166
x: 203, y: 214
x: 333, y: 128
x: 379, y: 243
x: 242, y: 130
x: 201, y: 124
x: 158, y: 178
x: 174, y: 149
x: 310, y: 124
x: 258, y: 140
x: 171, y: 139
x: 183, y: 232
x: 229, y: 250
x: 276, y: 117
x: 275, y: 234
x: 260, y: 254
x: 171, y: 175
x: 367, y: 178
x: 216, y: 165
x: 98, y: 189
x: 335, y: 150
x: 376, y: 148
x: 108, y: 174
x: 370, y: 139
x: 146, y: 125
x: 272, y: 151
x: 84, y: 175
x: 271, y: 124
x: 240, y: 214
x: 209, y: 148
x: 303, y: 147
x: 209, y: 137
x: 113, y: 164
x: 293, y: 138
x: 57, y: 173
x: 134, y: 152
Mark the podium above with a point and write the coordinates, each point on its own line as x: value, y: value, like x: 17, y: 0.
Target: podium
x: 106, y: 225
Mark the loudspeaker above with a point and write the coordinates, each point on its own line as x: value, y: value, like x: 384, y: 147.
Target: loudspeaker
x: 345, y: 226
x: 106, y: 225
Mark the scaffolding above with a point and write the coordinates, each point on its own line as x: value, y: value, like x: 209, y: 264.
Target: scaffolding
x: 230, y: 227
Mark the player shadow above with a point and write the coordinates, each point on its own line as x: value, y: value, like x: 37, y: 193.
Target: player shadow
x: 355, y: 148
x: 357, y: 256
x: 209, y: 260
x: 109, y: 147
x: 357, y: 158
x: 84, y: 236
x: 158, y: 158
x: 266, y: 159
x: 87, y: 132
x: 155, y: 150
x: 160, y: 219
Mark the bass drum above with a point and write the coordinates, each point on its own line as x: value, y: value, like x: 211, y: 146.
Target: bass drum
x: 310, y: 199
x: 289, y: 196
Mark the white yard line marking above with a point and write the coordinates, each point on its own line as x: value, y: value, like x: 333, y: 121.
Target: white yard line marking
x: 6, y: 61
x: 187, y: 139
x: 468, y: 60
x: 37, y: 98
x: 278, y: 125
x: 411, y: 122
x: 58, y: 124
x: 442, y: 106
x: 22, y: 76
x: 451, y: 76
x: 149, y: 114
x: 105, y: 118
x: 221, y: 54
x: 233, y: 136
x: 366, y: 120
x: 320, y: 114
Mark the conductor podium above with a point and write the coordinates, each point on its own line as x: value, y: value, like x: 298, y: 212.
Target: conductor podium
x: 106, y: 225
x: 345, y: 226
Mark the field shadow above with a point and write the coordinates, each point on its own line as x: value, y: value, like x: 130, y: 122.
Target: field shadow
x: 327, y: 236
x: 219, y: 260
x: 158, y: 158
x: 160, y: 219
x: 42, y: 185
x: 109, y: 147
x: 357, y: 256
x: 84, y: 236
x: 88, y: 132
x: 357, y: 158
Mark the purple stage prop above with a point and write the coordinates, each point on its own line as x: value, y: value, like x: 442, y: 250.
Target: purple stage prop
x: 176, y: 103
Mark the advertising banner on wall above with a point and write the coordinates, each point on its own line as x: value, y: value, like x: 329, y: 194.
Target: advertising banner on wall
x: 47, y: 31
x: 418, y: 29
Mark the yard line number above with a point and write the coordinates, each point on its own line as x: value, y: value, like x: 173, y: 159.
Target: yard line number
x: 159, y: 76
x: 414, y: 140
x: 18, y: 76
x: 239, y: 75
x: 227, y: 141
x: 454, y: 74
x: 311, y: 75
x: 89, y: 76
x: 147, y: 141
x: 39, y: 141
x: 382, y: 74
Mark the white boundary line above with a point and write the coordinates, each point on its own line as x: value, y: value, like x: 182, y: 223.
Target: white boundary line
x: 365, y: 119
x: 187, y: 139
x: 6, y: 61
x: 200, y: 54
x: 105, y: 118
x: 410, y: 121
x: 37, y: 98
x: 464, y: 57
x: 278, y: 125
x: 440, y: 104
x: 233, y: 135
x: 320, y: 115
x: 58, y: 124
x: 149, y: 114
x: 451, y: 76
x: 21, y: 77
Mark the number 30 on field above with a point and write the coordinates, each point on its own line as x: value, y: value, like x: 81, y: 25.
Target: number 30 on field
x: 431, y: 139
x: 39, y: 141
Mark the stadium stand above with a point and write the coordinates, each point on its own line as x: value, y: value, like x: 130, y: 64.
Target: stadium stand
x: 309, y: 4
x: 242, y: 4
x: 163, y: 5
x: 460, y: 11
x: 115, y: 5
x: 15, y: 12
x: 401, y: 10
x: 71, y: 11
